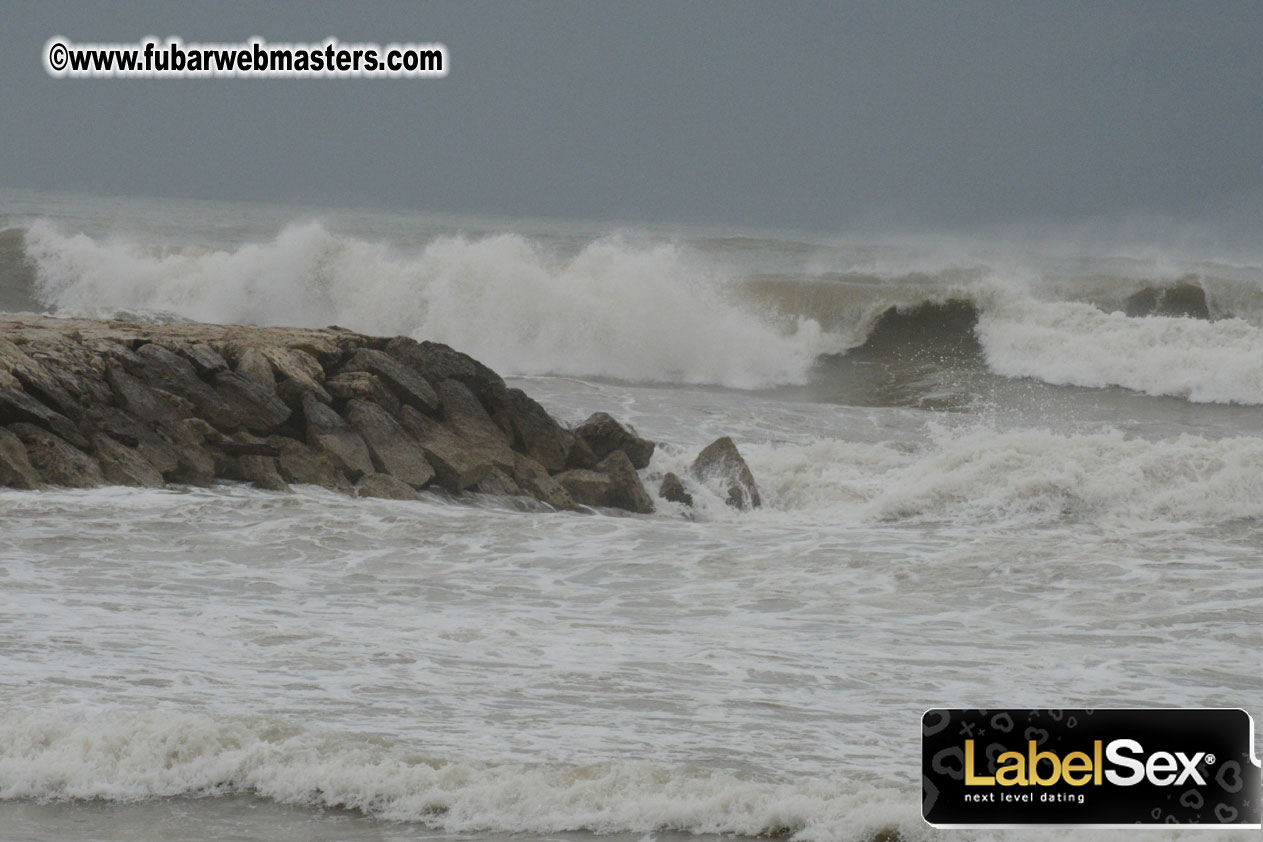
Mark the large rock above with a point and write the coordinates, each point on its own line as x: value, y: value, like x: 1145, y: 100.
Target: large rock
x: 411, y: 388
x: 140, y: 400
x: 17, y: 406
x: 394, y: 452
x: 38, y: 379
x: 627, y: 491
x: 721, y: 462
x: 206, y: 360
x: 459, y: 463
x: 385, y: 487
x: 615, y: 484
x: 121, y: 465
x: 672, y: 490
x: 16, y: 470
x: 163, y: 369
x: 498, y: 484
x: 302, y: 464
x: 604, y: 435
x: 536, y: 433
x: 254, y: 365
x: 194, y: 463
x: 347, y: 386
x: 438, y: 362
x: 248, y: 405
x: 328, y: 432
x: 534, y: 479
x: 56, y: 461
x: 465, y: 414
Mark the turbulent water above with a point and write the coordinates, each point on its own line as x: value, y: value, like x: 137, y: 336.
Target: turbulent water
x: 993, y: 475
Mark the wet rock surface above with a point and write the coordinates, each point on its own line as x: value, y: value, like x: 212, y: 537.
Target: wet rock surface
x: 86, y: 403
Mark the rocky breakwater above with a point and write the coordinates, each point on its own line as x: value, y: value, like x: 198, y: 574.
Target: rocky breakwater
x: 86, y: 403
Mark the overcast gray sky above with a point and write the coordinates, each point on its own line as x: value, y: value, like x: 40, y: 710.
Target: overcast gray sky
x: 796, y: 115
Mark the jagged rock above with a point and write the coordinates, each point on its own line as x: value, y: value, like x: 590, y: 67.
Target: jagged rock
x: 536, y: 433
x: 463, y: 413
x: 304, y: 465
x: 499, y: 484
x: 291, y: 392
x: 298, y: 372
x: 261, y: 472
x: 328, y: 432
x: 362, y: 385
x: 581, y: 455
x: 131, y: 432
x: 627, y: 491
x: 720, y: 460
x: 253, y: 365
x: 459, y: 464
x: 164, y: 370
x: 411, y: 388
x: 17, y: 406
x: 385, y: 487
x: 206, y: 360
x: 121, y: 465
x: 394, y: 452
x: 604, y: 435
x: 248, y: 405
x: 438, y: 362
x: 672, y: 489
x: 534, y: 479
x: 615, y: 484
x: 37, y: 378
x: 56, y: 461
x: 194, y: 463
x: 137, y: 398
x: 16, y: 470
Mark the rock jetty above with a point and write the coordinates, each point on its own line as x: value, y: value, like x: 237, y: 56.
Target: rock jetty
x: 86, y: 403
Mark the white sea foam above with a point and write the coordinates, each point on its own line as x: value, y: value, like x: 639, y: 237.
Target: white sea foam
x: 134, y: 757
x: 1078, y: 344
x: 982, y: 476
x: 614, y: 309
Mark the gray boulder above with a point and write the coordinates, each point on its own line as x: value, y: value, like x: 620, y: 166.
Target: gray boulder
x: 603, y: 434
x: 459, y: 464
x: 463, y: 413
x: 411, y: 388
x: 329, y: 433
x: 246, y: 404
x: 254, y: 365
x: 302, y: 464
x: 536, y: 433
x: 534, y: 479
x: 362, y: 385
x: 394, y: 452
x: 615, y: 484
x: 16, y: 470
x: 672, y: 489
x: 721, y: 461
x: 122, y: 465
x: 56, y: 461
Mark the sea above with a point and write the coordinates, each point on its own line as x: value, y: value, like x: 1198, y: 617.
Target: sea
x: 997, y: 471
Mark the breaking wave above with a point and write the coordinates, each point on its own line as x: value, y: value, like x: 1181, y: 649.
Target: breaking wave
x: 136, y: 757
x: 670, y: 313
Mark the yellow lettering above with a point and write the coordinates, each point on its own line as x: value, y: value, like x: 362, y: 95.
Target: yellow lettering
x: 970, y: 778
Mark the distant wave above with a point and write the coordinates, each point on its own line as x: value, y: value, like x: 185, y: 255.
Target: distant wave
x: 669, y: 314
x: 136, y: 757
x: 978, y: 475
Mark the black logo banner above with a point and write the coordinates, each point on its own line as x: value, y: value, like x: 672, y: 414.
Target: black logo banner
x: 1085, y: 766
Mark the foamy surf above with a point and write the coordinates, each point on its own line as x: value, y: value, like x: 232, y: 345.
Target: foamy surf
x: 126, y: 758
x: 614, y: 309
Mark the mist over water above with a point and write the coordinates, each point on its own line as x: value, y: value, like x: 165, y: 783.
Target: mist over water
x: 992, y: 475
